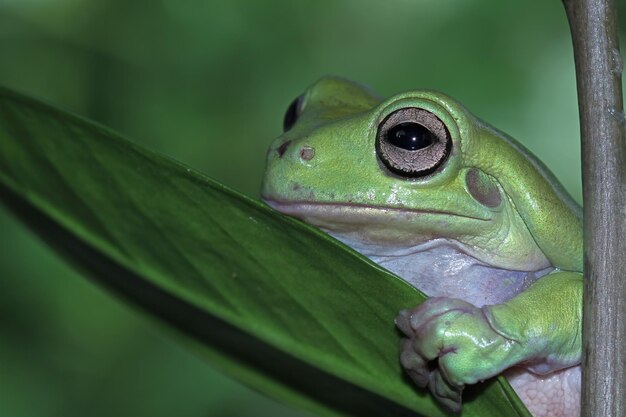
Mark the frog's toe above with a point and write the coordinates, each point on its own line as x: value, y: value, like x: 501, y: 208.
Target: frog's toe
x: 415, y: 366
x: 434, y: 308
x: 403, y: 322
x: 447, y: 394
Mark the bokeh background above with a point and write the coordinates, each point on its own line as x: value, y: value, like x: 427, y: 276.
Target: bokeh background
x: 207, y: 82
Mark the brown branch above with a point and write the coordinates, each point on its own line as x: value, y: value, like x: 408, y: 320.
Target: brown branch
x: 593, y: 24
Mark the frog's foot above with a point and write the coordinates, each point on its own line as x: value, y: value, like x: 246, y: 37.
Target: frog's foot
x: 424, y: 373
x: 450, y: 343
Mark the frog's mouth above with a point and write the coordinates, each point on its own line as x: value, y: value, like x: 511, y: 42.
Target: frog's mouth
x: 379, y: 223
x: 356, y: 212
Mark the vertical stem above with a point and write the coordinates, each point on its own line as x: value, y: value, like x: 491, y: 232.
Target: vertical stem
x: 593, y: 24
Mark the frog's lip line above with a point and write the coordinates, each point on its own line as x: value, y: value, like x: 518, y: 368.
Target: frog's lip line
x: 306, y: 207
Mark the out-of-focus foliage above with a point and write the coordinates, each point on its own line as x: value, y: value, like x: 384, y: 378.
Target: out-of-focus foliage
x: 208, y: 82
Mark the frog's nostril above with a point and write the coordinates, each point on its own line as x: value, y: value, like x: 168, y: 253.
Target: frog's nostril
x: 307, y: 153
x: 283, y: 148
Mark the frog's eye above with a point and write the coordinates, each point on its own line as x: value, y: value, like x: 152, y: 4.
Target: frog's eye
x: 292, y: 113
x: 412, y: 142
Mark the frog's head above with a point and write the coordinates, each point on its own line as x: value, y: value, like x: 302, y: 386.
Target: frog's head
x: 416, y: 167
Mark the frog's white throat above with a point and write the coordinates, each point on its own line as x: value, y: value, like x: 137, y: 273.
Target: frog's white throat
x: 445, y: 268
x: 437, y: 266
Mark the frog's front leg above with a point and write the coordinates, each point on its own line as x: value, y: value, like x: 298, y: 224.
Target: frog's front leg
x: 451, y: 343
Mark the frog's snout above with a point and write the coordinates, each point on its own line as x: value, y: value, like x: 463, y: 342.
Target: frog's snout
x: 306, y: 152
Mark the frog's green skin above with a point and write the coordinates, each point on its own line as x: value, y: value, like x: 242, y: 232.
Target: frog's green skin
x: 490, y: 217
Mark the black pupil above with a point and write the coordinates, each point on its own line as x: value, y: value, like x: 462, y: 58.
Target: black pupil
x: 292, y: 114
x: 410, y: 136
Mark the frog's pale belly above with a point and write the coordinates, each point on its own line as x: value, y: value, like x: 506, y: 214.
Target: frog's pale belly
x: 553, y: 395
x: 442, y: 268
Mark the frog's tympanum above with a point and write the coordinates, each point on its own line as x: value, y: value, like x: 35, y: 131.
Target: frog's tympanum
x: 459, y: 210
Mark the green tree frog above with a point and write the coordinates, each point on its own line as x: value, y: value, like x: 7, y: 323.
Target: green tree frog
x: 459, y: 210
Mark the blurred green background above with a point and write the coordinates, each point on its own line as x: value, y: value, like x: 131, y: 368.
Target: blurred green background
x: 207, y: 82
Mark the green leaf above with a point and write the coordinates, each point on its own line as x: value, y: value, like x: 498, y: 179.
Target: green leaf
x: 271, y: 301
